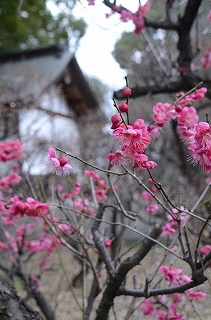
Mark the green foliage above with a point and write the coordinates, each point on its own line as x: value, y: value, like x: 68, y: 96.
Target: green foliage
x: 30, y: 24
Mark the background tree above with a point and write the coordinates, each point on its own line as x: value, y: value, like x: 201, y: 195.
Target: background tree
x: 174, y: 39
x: 31, y: 24
x: 167, y: 56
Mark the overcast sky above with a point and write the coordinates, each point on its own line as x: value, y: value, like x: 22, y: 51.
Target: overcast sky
x: 94, y: 52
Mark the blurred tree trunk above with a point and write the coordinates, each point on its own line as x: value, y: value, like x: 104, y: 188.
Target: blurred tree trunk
x: 13, y: 307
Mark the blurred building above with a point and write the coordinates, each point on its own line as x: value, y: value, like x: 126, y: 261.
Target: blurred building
x: 43, y: 96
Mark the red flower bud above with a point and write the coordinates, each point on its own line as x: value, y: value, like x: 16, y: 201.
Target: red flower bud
x: 123, y: 107
x: 127, y: 92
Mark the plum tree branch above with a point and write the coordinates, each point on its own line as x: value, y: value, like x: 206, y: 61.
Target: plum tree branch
x: 115, y: 280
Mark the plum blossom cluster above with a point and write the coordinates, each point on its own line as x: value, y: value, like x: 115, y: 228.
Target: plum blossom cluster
x: 133, y: 139
x: 169, y: 229
x: 16, y: 207
x: 20, y: 243
x: 125, y: 15
x: 200, y: 145
x: 152, y: 207
x: 196, y: 134
x: 137, y: 18
x: 7, y: 182
x: 77, y: 196
x: 21, y: 238
x: 168, y: 309
x: 182, y: 110
x: 10, y: 150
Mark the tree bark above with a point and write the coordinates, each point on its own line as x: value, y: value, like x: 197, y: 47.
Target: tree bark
x: 12, y: 307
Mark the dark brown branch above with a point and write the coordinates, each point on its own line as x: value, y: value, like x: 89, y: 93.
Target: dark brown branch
x: 116, y: 280
x: 99, y: 244
x: 153, y: 293
x: 185, y: 24
x: 176, y: 86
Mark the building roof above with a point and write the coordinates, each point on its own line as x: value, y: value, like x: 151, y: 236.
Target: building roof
x: 25, y: 75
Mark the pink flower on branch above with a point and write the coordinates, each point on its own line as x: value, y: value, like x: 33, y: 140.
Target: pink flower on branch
x: 147, y: 307
x: 134, y: 139
x: 205, y: 249
x: 171, y: 314
x: 163, y: 112
x: 197, y: 295
x: 200, y: 145
x: 188, y: 117
x: 7, y: 181
x: 31, y: 207
x: 56, y: 165
x: 92, y: 174
x: 168, y: 230
x: 116, y: 158
x: 171, y: 274
x: 108, y: 242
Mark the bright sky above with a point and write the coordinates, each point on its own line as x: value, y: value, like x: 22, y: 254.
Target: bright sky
x: 94, y: 54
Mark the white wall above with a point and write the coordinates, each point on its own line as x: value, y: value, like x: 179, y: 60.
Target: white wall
x: 40, y: 130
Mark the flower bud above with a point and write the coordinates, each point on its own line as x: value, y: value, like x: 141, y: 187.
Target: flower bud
x: 116, y: 118
x: 123, y: 107
x: 127, y: 92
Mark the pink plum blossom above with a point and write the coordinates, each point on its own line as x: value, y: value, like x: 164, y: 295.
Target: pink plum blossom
x: 134, y: 139
x: 209, y: 16
x: 7, y: 181
x: 31, y: 207
x: 162, y: 113
x: 171, y: 314
x: 92, y: 174
x: 200, y: 145
x: 56, y: 165
x: 108, y: 242
x: 147, y: 307
x: 147, y: 196
x: 126, y: 16
x: 152, y: 208
x: 188, y: 117
x: 171, y: 274
x: 10, y: 150
x: 205, y: 249
x: 197, y: 295
x: 168, y: 230
x: 116, y: 158
x: 101, y: 195
x: 116, y: 120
